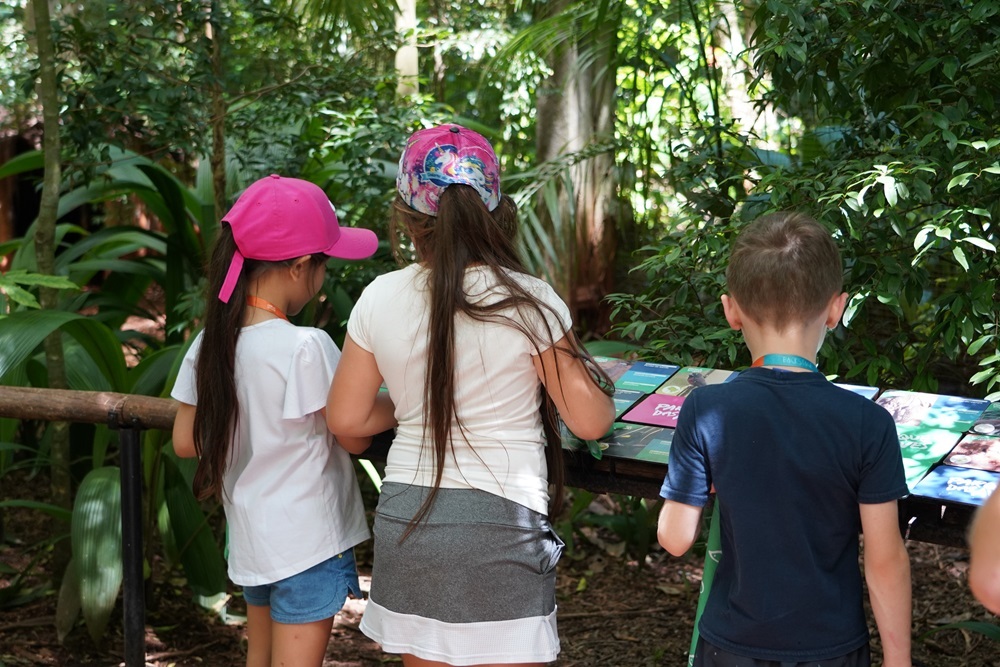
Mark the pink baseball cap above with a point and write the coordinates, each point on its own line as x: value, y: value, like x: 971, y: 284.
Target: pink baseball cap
x: 279, y: 218
x: 446, y: 155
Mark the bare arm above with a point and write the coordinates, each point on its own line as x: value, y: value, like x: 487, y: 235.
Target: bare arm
x: 586, y: 410
x: 984, y: 561
x: 184, y: 431
x: 887, y: 572
x: 358, y: 444
x: 355, y: 408
x: 678, y: 527
x: 354, y: 445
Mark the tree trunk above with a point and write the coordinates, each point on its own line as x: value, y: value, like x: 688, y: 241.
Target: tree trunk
x: 732, y: 43
x: 407, y: 59
x: 45, y: 256
x: 7, y: 186
x: 576, y: 111
x: 218, y: 157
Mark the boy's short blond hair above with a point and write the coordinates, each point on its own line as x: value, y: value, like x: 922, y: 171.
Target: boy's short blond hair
x: 784, y: 268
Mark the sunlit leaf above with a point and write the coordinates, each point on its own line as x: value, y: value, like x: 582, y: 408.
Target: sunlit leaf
x: 981, y: 243
x: 959, y: 255
x: 978, y: 344
x: 97, y: 546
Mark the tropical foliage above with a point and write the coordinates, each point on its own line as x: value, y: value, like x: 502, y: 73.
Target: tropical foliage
x: 886, y: 134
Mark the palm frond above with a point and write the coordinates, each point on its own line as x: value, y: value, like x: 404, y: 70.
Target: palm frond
x: 334, y: 16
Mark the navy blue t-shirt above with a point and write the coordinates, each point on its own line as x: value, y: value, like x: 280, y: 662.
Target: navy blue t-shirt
x: 791, y: 456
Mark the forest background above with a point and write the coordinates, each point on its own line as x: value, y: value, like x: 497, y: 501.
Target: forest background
x: 636, y: 136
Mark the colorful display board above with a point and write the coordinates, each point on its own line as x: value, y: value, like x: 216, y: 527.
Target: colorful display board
x: 937, y: 433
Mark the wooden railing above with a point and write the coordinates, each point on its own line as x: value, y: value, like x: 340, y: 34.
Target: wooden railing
x: 130, y: 415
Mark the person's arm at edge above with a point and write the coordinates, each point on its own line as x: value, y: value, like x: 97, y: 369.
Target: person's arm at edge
x: 351, y: 445
x: 887, y: 573
x: 678, y: 527
x: 984, y: 553
x: 586, y: 410
x: 183, y: 433
x: 355, y: 409
x: 354, y: 445
x: 358, y: 444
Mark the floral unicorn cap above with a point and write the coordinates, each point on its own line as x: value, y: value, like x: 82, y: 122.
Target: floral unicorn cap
x: 445, y: 155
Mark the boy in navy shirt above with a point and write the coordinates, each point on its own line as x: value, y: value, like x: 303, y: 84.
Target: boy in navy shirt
x: 799, y: 466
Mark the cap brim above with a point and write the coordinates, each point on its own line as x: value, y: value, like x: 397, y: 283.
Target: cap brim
x: 354, y: 243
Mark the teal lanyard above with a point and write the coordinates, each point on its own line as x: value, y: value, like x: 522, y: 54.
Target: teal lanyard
x: 791, y: 360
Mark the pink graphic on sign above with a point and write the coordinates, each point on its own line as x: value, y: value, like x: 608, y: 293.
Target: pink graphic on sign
x: 655, y: 410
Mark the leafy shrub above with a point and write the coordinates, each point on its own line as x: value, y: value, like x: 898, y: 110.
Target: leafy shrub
x: 897, y: 154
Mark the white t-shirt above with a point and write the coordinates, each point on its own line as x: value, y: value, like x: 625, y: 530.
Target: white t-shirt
x: 291, y: 497
x: 497, y: 395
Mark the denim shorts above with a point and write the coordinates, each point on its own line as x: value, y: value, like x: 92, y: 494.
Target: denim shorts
x: 313, y: 595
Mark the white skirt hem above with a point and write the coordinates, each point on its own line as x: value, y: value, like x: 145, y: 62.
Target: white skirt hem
x: 519, y: 640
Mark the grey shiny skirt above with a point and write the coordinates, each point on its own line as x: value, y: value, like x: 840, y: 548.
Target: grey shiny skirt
x: 474, y: 582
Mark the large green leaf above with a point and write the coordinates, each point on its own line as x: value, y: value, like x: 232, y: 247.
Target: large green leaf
x: 60, y: 513
x: 97, y: 546
x: 68, y: 603
x: 82, y: 373
x: 179, y: 202
x: 100, y: 191
x: 146, y: 268
x: 112, y: 242
x: 8, y: 427
x: 178, y: 360
x: 19, y: 164
x: 104, y: 349
x: 990, y: 630
x: 24, y: 257
x: 149, y: 377
x: 167, y: 539
x: 129, y: 173
x: 22, y: 332
x: 199, y: 553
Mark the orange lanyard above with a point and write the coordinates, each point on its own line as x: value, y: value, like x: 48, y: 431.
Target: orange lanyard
x: 257, y: 302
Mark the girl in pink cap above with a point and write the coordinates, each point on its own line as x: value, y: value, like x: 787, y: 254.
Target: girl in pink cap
x: 252, y: 389
x: 476, y: 356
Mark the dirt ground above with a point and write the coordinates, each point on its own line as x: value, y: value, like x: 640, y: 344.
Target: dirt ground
x: 612, y: 612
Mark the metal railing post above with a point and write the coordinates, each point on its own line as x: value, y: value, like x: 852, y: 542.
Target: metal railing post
x: 133, y: 587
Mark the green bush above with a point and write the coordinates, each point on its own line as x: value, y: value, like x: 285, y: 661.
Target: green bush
x: 891, y: 142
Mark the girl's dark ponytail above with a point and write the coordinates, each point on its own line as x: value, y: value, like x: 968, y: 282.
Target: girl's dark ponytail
x: 215, y: 371
x: 217, y: 414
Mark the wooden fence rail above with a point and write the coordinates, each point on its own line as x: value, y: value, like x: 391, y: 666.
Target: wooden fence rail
x: 89, y: 407
x: 131, y: 415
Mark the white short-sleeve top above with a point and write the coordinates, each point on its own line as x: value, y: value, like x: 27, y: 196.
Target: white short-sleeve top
x: 500, y: 447
x: 291, y: 496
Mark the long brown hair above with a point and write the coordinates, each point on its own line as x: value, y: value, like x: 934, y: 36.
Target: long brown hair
x: 464, y: 233
x: 217, y: 413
